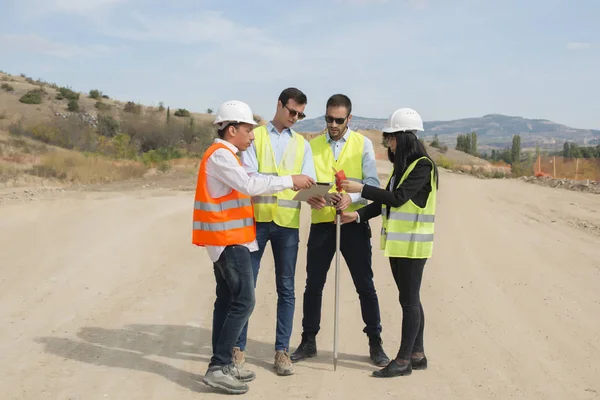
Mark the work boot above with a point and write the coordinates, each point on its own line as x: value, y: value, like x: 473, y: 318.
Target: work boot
x: 283, y: 363
x: 222, y: 377
x: 307, y: 348
x: 376, y: 353
x: 239, y: 359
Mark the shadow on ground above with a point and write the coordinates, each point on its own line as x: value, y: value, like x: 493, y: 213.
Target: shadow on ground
x: 130, y: 346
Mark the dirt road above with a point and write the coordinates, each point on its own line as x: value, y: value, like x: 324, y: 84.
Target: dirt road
x: 102, y: 296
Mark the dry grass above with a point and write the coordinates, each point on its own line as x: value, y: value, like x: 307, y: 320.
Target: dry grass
x: 86, y: 169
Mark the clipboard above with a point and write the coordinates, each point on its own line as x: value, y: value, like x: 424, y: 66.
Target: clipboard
x: 320, y: 189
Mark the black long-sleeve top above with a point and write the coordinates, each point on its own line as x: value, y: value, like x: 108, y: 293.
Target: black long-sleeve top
x: 416, y: 187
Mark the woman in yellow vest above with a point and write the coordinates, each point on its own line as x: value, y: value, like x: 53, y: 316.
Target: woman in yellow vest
x: 407, y: 206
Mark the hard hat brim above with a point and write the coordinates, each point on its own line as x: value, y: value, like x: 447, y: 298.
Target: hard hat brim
x: 393, y: 130
x: 235, y: 122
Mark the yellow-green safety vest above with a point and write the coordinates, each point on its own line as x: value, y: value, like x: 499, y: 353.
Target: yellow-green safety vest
x: 349, y: 160
x: 408, y: 232
x: 278, y: 207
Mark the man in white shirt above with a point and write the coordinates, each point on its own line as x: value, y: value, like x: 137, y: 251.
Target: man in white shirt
x: 224, y: 224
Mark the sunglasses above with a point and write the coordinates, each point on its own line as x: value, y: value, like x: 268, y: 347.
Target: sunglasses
x: 338, y: 121
x: 293, y: 113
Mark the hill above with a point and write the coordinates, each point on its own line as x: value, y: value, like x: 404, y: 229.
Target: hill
x: 493, y: 130
x: 48, y: 101
x: 59, y: 135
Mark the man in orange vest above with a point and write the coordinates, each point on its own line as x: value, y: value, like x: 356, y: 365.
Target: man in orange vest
x: 224, y: 224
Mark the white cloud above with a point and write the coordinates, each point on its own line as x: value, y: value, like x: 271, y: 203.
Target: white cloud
x: 208, y: 27
x: 42, y: 9
x: 578, y: 45
x: 82, y: 6
x: 361, y: 2
x: 40, y: 45
x: 412, y: 3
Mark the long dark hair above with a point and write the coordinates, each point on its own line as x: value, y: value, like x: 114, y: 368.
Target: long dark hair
x: 408, y: 149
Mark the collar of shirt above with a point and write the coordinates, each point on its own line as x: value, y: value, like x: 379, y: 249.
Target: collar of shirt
x: 226, y: 143
x: 343, y: 139
x: 271, y: 128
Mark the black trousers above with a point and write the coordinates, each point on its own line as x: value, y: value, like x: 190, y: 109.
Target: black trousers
x: 355, y: 247
x: 408, y: 274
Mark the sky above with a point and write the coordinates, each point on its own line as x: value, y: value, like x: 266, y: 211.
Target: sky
x: 447, y: 59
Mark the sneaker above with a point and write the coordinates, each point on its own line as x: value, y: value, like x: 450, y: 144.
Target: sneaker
x: 239, y: 359
x: 283, y: 363
x: 242, y: 375
x: 222, y: 377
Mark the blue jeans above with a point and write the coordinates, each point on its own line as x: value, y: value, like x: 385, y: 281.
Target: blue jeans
x: 284, y: 243
x: 235, y: 301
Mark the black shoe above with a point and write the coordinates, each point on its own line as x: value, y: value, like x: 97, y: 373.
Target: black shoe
x: 376, y: 353
x: 419, y: 363
x: 307, y: 348
x: 393, y: 369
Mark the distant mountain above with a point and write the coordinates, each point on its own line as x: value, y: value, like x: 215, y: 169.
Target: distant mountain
x: 493, y: 130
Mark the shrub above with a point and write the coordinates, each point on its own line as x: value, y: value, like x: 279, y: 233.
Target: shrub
x: 66, y: 93
x: 102, y: 106
x: 107, y: 125
x: 133, y: 108
x: 7, y: 87
x: 73, y: 105
x: 182, y: 112
x: 119, y: 146
x: 32, y: 97
x: 95, y: 94
x: 445, y: 162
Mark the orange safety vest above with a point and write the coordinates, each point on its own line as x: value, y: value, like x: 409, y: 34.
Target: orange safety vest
x: 223, y: 221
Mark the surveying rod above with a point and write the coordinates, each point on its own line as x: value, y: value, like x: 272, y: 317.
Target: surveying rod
x: 339, y: 176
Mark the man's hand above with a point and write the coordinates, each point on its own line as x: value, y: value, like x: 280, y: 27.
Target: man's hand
x: 349, y: 217
x: 340, y: 201
x: 302, y: 182
x: 351, y: 186
x: 316, y: 202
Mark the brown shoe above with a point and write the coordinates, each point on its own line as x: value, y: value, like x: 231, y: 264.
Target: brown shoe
x: 283, y: 363
x: 238, y: 357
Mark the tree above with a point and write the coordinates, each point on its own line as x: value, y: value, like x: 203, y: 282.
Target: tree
x: 435, y: 142
x: 515, y: 156
x: 473, y: 143
x: 516, y: 149
x: 467, y: 143
x: 566, y: 150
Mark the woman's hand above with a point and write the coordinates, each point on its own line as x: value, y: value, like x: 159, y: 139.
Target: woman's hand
x: 351, y: 186
x: 348, y: 217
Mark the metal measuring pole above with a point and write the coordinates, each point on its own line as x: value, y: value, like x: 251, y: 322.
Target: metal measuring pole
x: 338, y: 216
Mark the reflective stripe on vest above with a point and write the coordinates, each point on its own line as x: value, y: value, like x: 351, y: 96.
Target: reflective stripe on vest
x: 221, y: 221
x: 349, y: 160
x: 278, y: 207
x: 409, y: 229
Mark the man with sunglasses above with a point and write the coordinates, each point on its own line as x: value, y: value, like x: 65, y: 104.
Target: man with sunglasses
x: 343, y: 149
x: 278, y: 150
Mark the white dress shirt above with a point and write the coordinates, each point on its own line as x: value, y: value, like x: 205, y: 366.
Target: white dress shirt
x: 224, y: 173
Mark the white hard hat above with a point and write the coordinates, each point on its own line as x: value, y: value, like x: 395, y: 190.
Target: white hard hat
x: 403, y: 119
x: 233, y: 111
